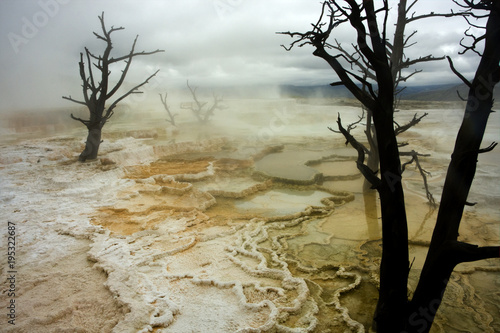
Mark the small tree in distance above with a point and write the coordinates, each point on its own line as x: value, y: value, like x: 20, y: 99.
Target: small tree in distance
x: 97, y: 90
x: 171, y: 116
x: 202, y: 113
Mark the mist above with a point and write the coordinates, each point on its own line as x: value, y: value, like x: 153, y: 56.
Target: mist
x: 214, y: 44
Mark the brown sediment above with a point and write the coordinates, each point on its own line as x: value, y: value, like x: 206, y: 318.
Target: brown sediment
x: 148, y: 213
x: 164, y: 195
x: 317, y: 178
x: 156, y: 195
x: 244, y: 193
x: 168, y: 167
x: 231, y: 164
x: 170, y: 185
x: 122, y: 221
x: 164, y: 188
x: 203, y: 146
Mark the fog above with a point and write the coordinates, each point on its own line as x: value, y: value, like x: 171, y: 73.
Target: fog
x: 216, y: 43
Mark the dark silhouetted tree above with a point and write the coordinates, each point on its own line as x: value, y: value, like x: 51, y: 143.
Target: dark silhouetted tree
x: 395, y: 312
x: 97, y: 88
x: 400, y: 64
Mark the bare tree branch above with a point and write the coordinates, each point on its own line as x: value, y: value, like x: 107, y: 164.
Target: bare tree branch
x: 488, y: 149
x: 460, y: 252
x: 134, y: 90
x: 360, y: 148
x: 423, y: 173
x: 69, y: 98
x: 403, y: 128
x: 90, y: 85
x: 432, y: 14
x: 472, y: 47
x: 457, y: 73
x: 85, y: 122
x: 165, y: 105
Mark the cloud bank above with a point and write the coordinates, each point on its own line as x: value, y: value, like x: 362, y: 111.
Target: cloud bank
x: 213, y: 43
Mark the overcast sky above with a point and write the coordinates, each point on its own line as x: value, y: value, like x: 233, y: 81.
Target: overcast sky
x: 210, y: 42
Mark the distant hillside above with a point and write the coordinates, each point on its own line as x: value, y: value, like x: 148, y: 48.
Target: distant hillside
x: 444, y: 92
x: 323, y: 91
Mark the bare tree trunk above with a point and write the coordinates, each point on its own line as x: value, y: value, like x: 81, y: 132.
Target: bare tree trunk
x: 91, y: 145
x: 446, y: 251
x: 371, y: 213
x: 373, y: 160
x: 391, y: 306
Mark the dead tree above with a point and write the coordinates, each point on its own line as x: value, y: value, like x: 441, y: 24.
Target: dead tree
x: 394, y: 312
x: 395, y: 49
x: 201, y: 111
x: 97, y: 90
x: 446, y: 251
x: 171, y: 116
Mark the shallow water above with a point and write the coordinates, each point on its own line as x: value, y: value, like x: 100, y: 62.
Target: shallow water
x: 281, y: 202
x: 289, y: 165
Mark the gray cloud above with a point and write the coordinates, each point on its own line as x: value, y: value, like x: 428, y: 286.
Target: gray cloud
x: 209, y: 42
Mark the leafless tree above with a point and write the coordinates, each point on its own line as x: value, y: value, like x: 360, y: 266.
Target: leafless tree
x: 400, y: 63
x: 395, y: 312
x: 171, y: 116
x: 201, y: 111
x: 97, y: 90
